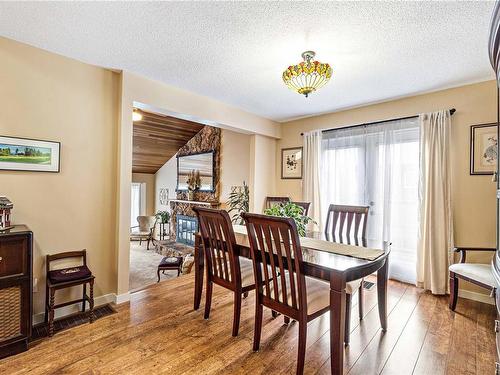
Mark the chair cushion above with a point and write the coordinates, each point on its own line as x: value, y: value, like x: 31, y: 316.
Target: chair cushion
x: 171, y: 262
x: 69, y: 274
x: 475, y: 271
x: 318, y: 292
x: 246, y: 270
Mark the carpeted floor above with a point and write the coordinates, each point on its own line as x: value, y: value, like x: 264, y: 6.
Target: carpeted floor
x: 143, y: 266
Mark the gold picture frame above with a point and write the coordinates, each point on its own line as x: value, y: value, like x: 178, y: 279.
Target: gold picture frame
x: 483, y: 149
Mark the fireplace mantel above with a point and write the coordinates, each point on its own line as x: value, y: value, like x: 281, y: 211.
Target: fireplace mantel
x: 194, y: 203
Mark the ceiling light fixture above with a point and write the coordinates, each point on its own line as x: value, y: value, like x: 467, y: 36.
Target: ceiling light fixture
x: 136, y: 115
x: 308, y: 76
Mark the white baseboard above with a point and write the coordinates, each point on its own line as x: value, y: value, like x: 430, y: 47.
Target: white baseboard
x: 72, y: 309
x: 122, y: 298
x: 485, y: 298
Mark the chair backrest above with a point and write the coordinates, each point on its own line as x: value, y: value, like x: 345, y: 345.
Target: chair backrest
x: 66, y: 255
x: 146, y: 223
x: 304, y: 205
x: 274, y: 243
x: 271, y: 201
x: 219, y: 245
x: 339, y: 222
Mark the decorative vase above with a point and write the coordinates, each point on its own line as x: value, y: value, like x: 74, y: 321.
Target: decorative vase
x: 191, y: 195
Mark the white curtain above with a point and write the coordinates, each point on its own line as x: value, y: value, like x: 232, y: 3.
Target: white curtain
x: 436, y: 220
x: 377, y: 165
x: 312, y: 169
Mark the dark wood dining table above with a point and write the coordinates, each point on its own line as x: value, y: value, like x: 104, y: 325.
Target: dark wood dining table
x: 334, y: 268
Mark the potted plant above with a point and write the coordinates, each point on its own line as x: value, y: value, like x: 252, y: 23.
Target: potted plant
x: 163, y: 216
x: 238, y: 202
x: 293, y: 211
x: 194, y: 183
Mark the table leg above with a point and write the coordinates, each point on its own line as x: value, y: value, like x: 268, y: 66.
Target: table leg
x: 198, y: 272
x: 337, y: 323
x: 382, y: 276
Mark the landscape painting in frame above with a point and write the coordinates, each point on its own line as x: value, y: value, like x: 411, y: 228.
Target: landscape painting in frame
x: 483, y: 149
x: 22, y: 154
x: 291, y: 163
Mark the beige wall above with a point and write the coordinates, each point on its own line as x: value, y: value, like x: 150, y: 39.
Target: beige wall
x: 149, y: 180
x: 473, y: 196
x: 46, y: 96
x: 234, y: 163
x: 262, y: 171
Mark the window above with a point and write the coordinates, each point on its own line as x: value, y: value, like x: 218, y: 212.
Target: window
x: 378, y: 166
x: 138, y: 202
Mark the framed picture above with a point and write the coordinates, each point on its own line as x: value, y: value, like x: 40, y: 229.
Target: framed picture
x: 22, y: 154
x: 483, y: 149
x: 291, y: 163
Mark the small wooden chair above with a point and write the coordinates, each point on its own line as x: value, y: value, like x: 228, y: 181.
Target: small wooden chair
x: 66, y: 278
x: 304, y: 205
x: 271, y: 201
x: 337, y: 230
x: 275, y: 247
x: 476, y: 273
x: 223, y: 265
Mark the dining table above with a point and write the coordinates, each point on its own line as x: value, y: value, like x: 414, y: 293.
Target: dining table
x: 323, y: 261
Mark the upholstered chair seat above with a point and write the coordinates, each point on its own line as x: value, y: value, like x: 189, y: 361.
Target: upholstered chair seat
x: 69, y: 274
x: 475, y: 271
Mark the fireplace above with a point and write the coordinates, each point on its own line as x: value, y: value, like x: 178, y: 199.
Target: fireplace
x: 186, y: 227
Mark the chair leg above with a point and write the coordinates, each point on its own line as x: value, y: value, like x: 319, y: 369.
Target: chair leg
x: 347, y: 334
x: 91, y: 302
x: 360, y: 301
x: 208, y: 302
x: 453, y: 291
x: 51, y: 311
x: 178, y: 272
x: 237, y: 313
x: 158, y: 275
x: 46, y: 319
x: 140, y: 241
x: 301, y: 355
x: 147, y: 247
x: 83, y: 298
x: 258, y: 325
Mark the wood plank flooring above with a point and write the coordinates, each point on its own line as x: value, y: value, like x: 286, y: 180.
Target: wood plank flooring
x: 159, y: 332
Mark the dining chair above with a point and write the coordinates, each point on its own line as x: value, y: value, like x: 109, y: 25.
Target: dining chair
x: 475, y: 273
x: 223, y: 265
x: 339, y: 228
x: 304, y: 205
x: 280, y: 283
x: 272, y: 201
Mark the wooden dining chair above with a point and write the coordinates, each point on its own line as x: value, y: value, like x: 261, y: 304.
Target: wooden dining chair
x: 339, y: 228
x: 304, y: 205
x: 271, y: 201
x: 223, y: 265
x: 280, y: 282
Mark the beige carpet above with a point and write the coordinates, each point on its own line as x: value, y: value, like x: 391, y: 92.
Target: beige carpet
x: 143, y: 266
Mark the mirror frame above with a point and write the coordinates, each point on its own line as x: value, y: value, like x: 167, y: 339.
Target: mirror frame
x: 213, y: 171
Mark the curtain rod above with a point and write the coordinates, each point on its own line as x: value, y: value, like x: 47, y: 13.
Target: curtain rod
x: 452, y: 111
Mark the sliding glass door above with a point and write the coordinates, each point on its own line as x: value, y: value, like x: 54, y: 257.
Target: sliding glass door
x: 378, y: 166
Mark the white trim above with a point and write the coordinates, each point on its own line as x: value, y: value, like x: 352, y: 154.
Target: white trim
x: 122, y: 298
x: 475, y: 296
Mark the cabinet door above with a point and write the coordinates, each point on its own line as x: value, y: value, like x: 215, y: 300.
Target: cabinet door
x: 14, y: 256
x: 14, y: 310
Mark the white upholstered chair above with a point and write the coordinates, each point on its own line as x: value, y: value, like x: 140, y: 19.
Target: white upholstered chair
x: 476, y: 273
x: 143, y: 231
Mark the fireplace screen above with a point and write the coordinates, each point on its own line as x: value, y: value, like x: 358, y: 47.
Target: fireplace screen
x: 187, y: 226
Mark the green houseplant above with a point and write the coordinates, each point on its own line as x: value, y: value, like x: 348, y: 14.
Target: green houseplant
x: 293, y: 211
x: 238, y: 202
x: 163, y: 216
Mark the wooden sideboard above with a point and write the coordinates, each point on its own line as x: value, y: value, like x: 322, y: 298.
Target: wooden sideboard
x: 16, y: 275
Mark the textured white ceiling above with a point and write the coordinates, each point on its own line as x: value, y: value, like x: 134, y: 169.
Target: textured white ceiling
x: 236, y: 52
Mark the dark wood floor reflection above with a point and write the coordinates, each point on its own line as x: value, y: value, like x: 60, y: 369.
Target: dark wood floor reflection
x: 158, y: 332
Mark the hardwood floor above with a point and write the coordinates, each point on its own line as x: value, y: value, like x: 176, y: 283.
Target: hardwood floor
x: 159, y: 332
